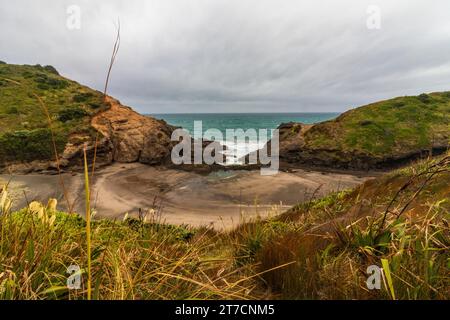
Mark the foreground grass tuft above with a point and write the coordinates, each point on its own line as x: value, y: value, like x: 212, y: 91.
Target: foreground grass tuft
x: 398, y: 222
x: 130, y: 259
x: 317, y: 250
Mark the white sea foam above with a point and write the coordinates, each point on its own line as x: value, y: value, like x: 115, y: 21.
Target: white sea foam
x: 237, y: 150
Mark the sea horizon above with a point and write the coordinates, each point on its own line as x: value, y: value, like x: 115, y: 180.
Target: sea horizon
x: 245, y: 121
x: 303, y: 112
x: 248, y: 120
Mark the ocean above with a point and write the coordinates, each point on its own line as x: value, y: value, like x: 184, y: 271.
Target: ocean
x: 245, y: 121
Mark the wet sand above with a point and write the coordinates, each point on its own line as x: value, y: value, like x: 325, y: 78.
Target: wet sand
x: 221, y: 199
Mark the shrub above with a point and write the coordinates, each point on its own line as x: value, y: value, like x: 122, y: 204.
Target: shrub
x: 41, y: 78
x: 51, y: 69
x: 398, y: 104
x: 71, y: 114
x: 82, y: 97
x: 57, y: 84
x: 28, y: 145
x: 43, y: 86
x: 365, y: 122
x: 27, y: 74
x: 45, y: 82
x: 47, y: 68
x: 94, y: 105
x: 12, y: 110
x: 424, y: 98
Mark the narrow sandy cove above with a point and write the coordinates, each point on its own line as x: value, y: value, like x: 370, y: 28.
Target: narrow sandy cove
x: 222, y: 199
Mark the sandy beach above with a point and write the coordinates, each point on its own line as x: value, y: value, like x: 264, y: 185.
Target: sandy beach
x: 221, y: 199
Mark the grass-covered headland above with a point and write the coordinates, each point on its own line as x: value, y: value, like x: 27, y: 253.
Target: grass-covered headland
x: 379, y: 135
x: 25, y: 134
x: 317, y: 250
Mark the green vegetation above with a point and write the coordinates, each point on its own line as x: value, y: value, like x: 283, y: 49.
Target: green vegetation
x: 317, y: 250
x: 73, y: 113
x: 387, y: 128
x: 399, y: 220
x: 131, y: 259
x: 24, y: 134
x: 30, y: 144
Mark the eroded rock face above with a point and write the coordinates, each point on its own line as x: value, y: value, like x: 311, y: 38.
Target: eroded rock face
x: 123, y: 135
x: 132, y: 137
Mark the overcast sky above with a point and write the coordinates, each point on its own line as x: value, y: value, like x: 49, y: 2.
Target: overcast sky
x: 238, y: 55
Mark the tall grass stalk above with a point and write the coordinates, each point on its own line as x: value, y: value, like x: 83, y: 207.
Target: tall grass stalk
x: 88, y: 223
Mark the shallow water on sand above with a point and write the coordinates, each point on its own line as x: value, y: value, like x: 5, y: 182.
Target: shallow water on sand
x: 221, y: 199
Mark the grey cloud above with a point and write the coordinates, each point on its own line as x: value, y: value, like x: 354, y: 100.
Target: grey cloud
x: 238, y: 56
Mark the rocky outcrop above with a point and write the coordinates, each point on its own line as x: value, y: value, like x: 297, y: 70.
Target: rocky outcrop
x: 81, y: 118
x: 118, y: 134
x: 298, y: 148
x: 132, y: 137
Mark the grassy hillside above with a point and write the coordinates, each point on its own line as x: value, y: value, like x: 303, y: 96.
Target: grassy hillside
x: 376, y: 134
x: 25, y: 133
x: 319, y: 249
x: 389, y: 127
x: 401, y: 217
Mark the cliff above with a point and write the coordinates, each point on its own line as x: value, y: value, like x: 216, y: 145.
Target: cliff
x: 77, y: 116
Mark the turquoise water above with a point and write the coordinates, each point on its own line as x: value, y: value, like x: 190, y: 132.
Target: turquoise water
x: 223, y: 121
x: 242, y: 144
